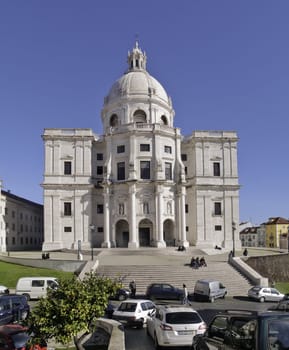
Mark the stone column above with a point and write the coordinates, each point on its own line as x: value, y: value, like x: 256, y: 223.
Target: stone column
x: 133, y: 239
x: 106, y: 243
x: 160, y: 243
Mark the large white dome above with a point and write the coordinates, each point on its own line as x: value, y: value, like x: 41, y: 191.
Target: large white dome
x: 135, y: 83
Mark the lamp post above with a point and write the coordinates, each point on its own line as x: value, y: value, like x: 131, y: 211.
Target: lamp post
x: 233, y: 237
x: 288, y: 238
x: 7, y: 240
x: 91, y: 227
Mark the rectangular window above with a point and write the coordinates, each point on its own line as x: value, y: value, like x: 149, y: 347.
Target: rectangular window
x: 145, y: 170
x: 186, y: 208
x: 184, y: 157
x: 218, y: 228
x: 67, y: 229
x: 99, y: 170
x: 168, y: 171
x: 99, y: 208
x: 67, y: 208
x: 100, y: 229
x: 187, y: 228
x: 217, y: 208
x: 217, y: 169
x: 186, y: 170
x: 121, y: 171
x: 99, y: 156
x: 168, y: 149
x: 120, y: 149
x: 144, y: 147
x: 67, y: 168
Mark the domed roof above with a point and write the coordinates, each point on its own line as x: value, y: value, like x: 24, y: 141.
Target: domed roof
x: 137, y: 81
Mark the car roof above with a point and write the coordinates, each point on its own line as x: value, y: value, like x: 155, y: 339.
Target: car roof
x: 12, y: 328
x: 252, y: 313
x: 136, y: 301
x: 176, y: 308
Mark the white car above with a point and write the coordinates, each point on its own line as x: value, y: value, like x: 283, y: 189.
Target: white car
x: 134, y: 312
x: 265, y: 294
x: 4, y: 290
x: 174, y: 325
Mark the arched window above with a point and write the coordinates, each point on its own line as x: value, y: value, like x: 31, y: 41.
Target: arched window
x: 113, y: 120
x: 164, y: 120
x: 139, y: 117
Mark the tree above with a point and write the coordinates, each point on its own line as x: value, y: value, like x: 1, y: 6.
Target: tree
x: 68, y: 312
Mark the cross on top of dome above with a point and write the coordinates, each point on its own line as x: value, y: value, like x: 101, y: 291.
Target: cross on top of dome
x: 136, y: 59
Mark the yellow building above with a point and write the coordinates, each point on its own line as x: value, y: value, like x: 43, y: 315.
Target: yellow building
x: 277, y: 229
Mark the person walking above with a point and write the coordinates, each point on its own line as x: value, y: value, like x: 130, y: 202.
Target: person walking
x: 132, y: 287
x: 185, y: 295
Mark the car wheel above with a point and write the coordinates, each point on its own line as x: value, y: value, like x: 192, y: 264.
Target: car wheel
x: 262, y: 299
x: 121, y: 297
x: 140, y: 325
x: 27, y: 296
x: 156, y: 342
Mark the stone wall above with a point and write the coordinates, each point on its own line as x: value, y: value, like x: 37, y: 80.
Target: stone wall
x: 274, y: 267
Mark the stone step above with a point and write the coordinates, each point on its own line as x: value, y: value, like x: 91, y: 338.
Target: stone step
x: 177, y: 275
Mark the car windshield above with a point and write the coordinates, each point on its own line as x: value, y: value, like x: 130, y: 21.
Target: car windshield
x: 183, y: 318
x: 278, y: 334
x: 129, y: 307
x: 256, y: 289
x: 20, y: 339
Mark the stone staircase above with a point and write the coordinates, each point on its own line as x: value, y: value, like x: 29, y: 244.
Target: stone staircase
x: 171, y: 268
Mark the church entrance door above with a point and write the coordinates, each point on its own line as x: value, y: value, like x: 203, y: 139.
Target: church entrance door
x: 144, y: 236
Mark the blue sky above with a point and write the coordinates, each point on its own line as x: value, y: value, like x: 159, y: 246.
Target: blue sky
x: 223, y: 62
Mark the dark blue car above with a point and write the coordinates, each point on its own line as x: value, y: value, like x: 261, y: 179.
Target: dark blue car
x: 13, y: 308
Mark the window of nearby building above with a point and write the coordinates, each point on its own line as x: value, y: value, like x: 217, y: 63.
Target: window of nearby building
x: 99, y: 156
x: 67, y: 208
x: 67, y: 229
x: 67, y: 168
x: 187, y: 228
x: 217, y: 169
x: 145, y: 170
x: 218, y: 228
x: 99, y: 208
x: 99, y: 170
x: 144, y: 147
x: 13, y: 240
x: 217, y: 208
x: 120, y: 149
x: 168, y: 149
x: 6, y: 211
x: 13, y: 213
x: 121, y: 171
x: 186, y: 170
x: 168, y: 171
x: 186, y: 208
x: 184, y: 157
x: 100, y: 229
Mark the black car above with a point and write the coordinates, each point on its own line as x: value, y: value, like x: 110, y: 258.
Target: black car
x: 164, y: 291
x: 13, y: 308
x: 121, y: 294
x: 241, y: 329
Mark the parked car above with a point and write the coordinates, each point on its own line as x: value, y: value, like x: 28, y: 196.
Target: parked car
x: 134, y: 312
x: 16, y: 337
x: 35, y: 287
x: 240, y: 329
x: 283, y: 305
x: 13, y: 308
x: 265, y: 294
x: 210, y: 290
x: 121, y: 294
x: 4, y: 290
x: 174, y: 325
x: 164, y: 291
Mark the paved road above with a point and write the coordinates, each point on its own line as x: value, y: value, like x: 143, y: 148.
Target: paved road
x: 138, y: 339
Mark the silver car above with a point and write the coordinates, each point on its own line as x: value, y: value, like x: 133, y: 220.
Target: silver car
x: 265, y: 294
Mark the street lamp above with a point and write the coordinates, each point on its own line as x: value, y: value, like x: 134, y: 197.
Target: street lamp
x: 288, y: 239
x: 91, y: 227
x: 233, y: 237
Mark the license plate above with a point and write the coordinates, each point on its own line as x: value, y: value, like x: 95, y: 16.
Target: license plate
x: 185, y: 332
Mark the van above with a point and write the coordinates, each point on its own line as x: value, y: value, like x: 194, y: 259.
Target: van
x: 209, y: 290
x: 35, y: 287
x: 13, y: 308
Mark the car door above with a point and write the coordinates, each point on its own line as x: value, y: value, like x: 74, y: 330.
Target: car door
x: 6, y: 314
x: 168, y: 292
x: 275, y: 295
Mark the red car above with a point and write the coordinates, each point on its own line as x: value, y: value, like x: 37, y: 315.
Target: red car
x: 15, y: 337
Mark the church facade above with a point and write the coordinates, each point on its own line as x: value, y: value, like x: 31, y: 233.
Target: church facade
x: 140, y: 183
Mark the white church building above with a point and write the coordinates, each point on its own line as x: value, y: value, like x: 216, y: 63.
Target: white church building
x: 141, y: 183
